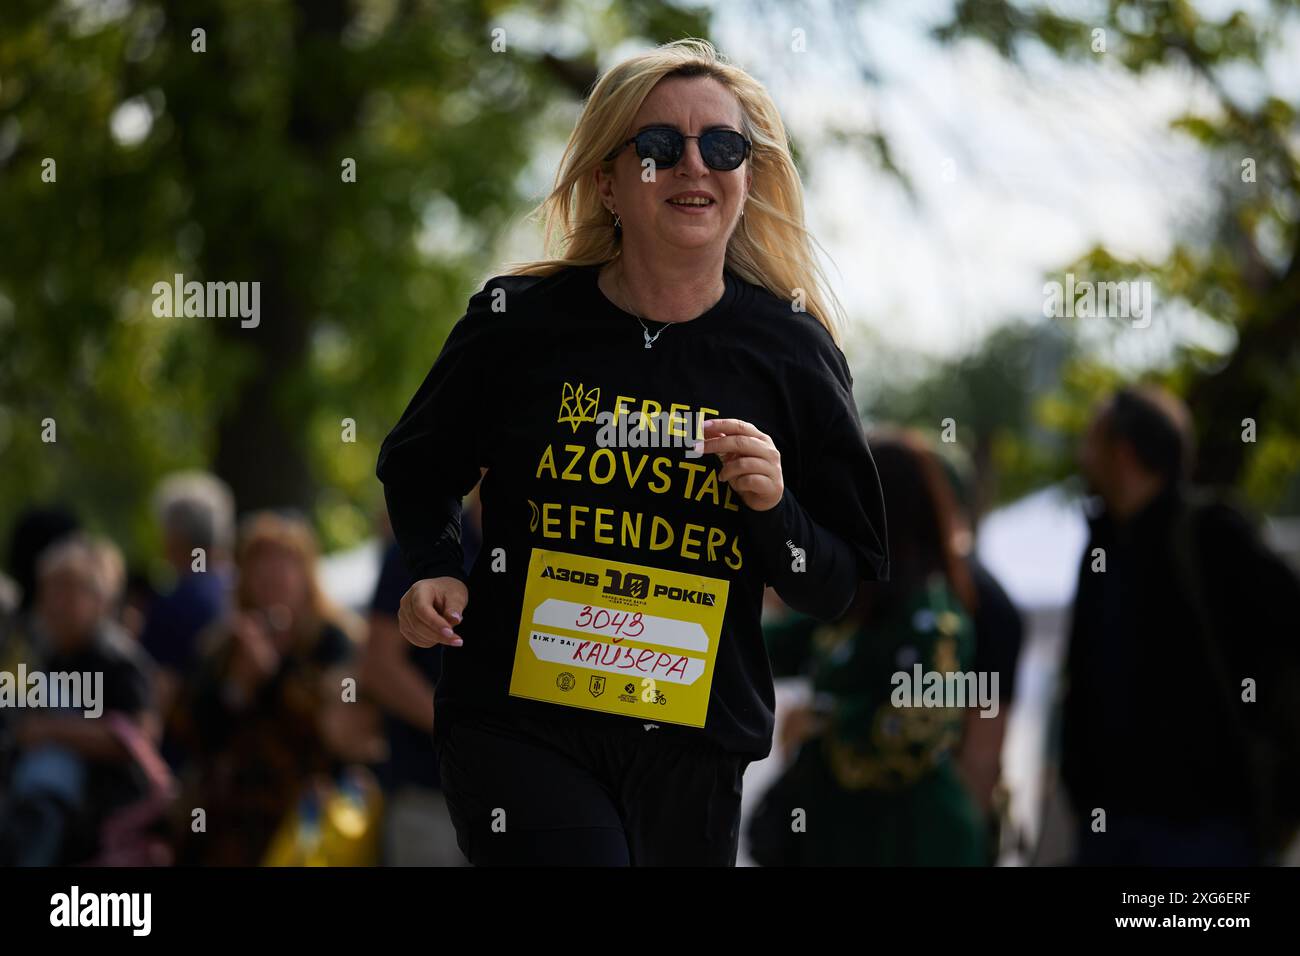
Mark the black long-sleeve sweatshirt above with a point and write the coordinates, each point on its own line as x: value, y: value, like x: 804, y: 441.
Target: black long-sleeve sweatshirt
x: 618, y: 577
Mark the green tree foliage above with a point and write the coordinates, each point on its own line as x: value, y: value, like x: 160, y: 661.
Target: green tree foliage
x: 1016, y: 404
x: 219, y: 156
x: 1243, y: 271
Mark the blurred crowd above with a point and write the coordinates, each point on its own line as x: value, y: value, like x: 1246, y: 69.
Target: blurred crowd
x: 247, y: 719
x: 1176, y: 731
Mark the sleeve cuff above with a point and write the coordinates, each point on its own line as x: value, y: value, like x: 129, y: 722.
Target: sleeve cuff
x: 776, y: 519
x: 442, y: 570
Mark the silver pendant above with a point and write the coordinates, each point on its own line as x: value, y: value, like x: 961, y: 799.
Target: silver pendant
x: 649, y: 339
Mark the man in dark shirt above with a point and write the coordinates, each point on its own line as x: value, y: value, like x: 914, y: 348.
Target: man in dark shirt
x: 1177, y: 606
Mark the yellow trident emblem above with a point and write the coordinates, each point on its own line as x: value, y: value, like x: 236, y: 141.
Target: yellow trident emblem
x: 578, y: 405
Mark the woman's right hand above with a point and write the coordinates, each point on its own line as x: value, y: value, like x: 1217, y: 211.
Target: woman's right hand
x: 431, y: 609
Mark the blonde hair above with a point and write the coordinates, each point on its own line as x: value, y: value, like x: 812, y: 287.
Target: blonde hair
x: 770, y: 246
x: 94, y: 559
x: 264, y: 530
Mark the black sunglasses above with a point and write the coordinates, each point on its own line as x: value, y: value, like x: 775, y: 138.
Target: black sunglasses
x: 721, y: 149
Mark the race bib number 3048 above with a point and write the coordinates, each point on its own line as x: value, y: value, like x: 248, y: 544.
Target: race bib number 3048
x: 621, y: 638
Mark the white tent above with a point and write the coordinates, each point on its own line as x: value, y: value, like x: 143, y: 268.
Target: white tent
x: 1033, y: 546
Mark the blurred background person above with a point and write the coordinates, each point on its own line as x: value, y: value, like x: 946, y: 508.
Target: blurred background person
x: 879, y: 784
x: 999, y: 634
x: 71, y: 770
x: 138, y: 598
x: 1178, y: 603
x: 196, y: 513
x: 34, y: 530
x: 401, y: 678
x: 261, y: 715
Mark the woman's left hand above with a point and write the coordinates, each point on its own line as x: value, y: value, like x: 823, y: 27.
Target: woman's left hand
x: 751, y: 463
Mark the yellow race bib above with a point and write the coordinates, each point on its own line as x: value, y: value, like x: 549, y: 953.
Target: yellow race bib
x: 620, y: 638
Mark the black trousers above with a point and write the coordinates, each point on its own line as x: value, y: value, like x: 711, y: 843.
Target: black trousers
x: 553, y: 792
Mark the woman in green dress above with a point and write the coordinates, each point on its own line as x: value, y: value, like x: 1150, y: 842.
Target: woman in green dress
x: 875, y: 781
